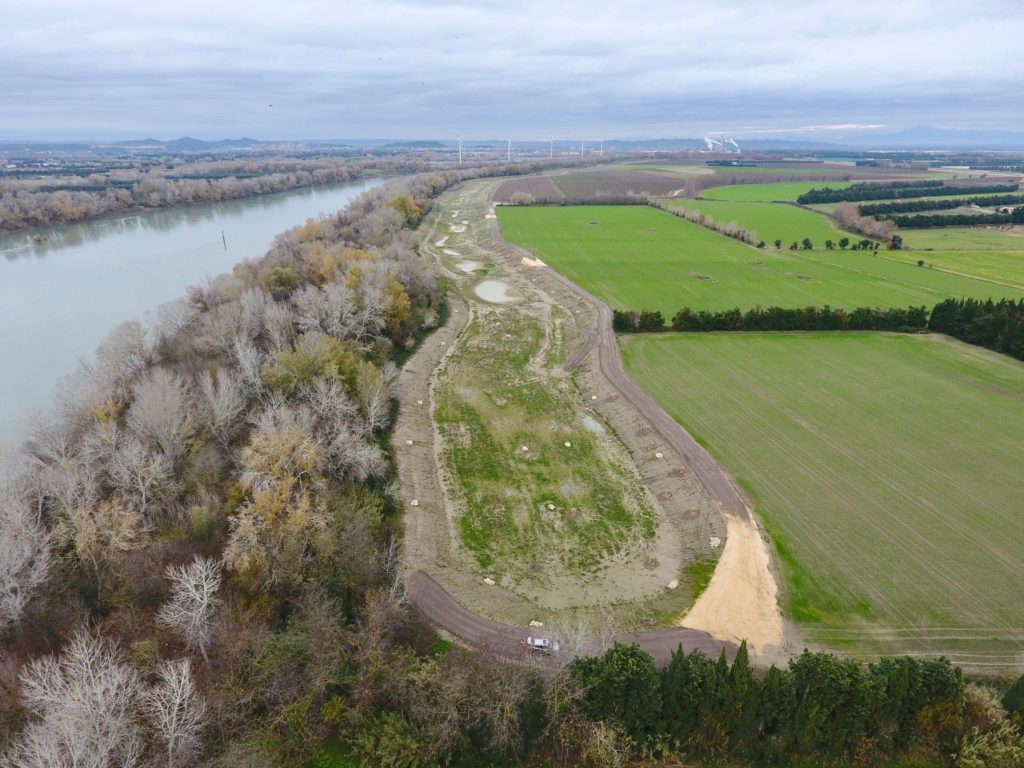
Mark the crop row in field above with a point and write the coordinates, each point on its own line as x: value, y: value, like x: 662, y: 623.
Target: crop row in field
x: 636, y: 257
x: 886, y: 468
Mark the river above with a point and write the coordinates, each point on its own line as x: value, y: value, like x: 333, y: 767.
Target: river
x: 61, y: 296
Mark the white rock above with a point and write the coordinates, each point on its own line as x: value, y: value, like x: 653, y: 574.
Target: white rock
x: 567, y: 444
x: 659, y: 455
x: 673, y: 584
x: 414, y: 503
x: 524, y: 448
x: 593, y: 397
x: 489, y: 581
x: 715, y: 542
x: 536, y: 624
x: 419, y: 402
x: 551, y: 506
x: 408, y: 442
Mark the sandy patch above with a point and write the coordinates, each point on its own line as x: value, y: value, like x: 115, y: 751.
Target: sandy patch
x: 469, y: 266
x: 528, y: 262
x: 741, y: 602
x: 457, y: 228
x: 494, y: 291
x: 442, y: 241
x: 592, y: 425
x: 450, y: 252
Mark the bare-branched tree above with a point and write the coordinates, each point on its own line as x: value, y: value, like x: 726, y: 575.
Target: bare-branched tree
x: 194, y: 601
x: 139, y: 473
x: 177, y: 712
x: 160, y: 412
x: 86, y: 704
x: 222, y: 403
x: 25, y: 556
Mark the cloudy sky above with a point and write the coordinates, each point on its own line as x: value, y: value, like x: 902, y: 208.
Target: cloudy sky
x: 213, y: 68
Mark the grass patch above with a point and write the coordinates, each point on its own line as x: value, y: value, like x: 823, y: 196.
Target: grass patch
x: 771, y: 221
x: 766, y: 193
x: 636, y: 257
x: 886, y: 469
x: 550, y: 509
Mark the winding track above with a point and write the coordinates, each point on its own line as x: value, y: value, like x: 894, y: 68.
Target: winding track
x: 441, y: 609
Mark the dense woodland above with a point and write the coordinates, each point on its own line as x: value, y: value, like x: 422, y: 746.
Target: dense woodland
x: 200, y: 565
x: 898, y: 190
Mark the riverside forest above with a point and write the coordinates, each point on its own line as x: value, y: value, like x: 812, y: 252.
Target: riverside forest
x: 606, y: 389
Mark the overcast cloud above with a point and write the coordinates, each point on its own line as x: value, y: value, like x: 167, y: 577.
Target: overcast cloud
x: 522, y: 69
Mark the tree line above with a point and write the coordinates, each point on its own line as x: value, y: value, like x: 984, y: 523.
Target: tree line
x: 728, y: 228
x: 897, y: 190
x: 818, y: 708
x: 995, y: 325
x: 916, y: 206
x: 919, y: 221
x: 905, y: 320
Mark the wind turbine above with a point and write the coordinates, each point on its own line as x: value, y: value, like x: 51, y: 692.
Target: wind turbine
x: 551, y: 149
x: 602, y: 148
x: 460, y: 150
x: 508, y: 158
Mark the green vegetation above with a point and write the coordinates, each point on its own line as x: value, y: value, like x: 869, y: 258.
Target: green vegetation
x: 636, y: 257
x: 561, y: 506
x: 886, y: 469
x: 770, y: 221
x: 708, y: 707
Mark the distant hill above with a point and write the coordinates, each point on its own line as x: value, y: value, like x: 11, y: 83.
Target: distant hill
x: 927, y: 137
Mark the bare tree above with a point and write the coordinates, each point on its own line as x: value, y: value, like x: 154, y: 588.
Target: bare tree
x: 249, y: 361
x: 193, y: 602
x: 86, y: 702
x: 160, y: 412
x: 25, y: 556
x: 177, y: 711
x: 279, y: 326
x: 140, y: 473
x: 331, y: 309
x: 222, y: 403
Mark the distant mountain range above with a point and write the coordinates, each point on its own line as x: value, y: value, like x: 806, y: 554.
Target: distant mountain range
x: 919, y: 138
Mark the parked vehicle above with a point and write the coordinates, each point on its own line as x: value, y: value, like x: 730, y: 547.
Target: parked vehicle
x: 541, y: 645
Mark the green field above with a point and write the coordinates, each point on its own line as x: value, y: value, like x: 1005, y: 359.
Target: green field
x: 770, y: 221
x: 997, y: 266
x: 887, y: 469
x: 766, y: 193
x: 965, y: 239
x: 988, y: 254
x: 636, y: 257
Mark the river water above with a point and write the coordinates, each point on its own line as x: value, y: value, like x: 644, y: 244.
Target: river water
x: 61, y: 296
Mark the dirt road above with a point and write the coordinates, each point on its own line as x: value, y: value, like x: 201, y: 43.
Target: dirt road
x: 441, y: 609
